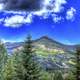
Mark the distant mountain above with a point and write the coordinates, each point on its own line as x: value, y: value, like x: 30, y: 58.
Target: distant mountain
x: 50, y: 53
x: 43, y: 41
x: 10, y: 46
x: 50, y: 43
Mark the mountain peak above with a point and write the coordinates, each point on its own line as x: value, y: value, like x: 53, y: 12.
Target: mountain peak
x: 45, y: 40
x: 45, y: 37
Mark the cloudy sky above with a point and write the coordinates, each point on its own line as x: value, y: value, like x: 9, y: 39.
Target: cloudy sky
x: 58, y: 19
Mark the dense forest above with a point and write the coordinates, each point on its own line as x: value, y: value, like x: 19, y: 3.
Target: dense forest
x: 22, y: 65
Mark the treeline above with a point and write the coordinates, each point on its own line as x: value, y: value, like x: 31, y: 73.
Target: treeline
x: 22, y: 65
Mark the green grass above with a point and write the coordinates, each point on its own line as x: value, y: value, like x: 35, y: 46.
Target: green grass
x: 45, y: 52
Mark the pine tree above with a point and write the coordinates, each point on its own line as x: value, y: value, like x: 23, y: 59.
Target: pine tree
x: 3, y: 59
x: 70, y: 76
x: 19, y: 69
x: 13, y: 68
x: 9, y: 69
x: 32, y: 69
x: 58, y: 75
x: 78, y: 62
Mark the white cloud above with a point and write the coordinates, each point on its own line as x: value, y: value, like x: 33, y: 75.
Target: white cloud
x: 28, y: 19
x: 50, y: 8
x: 58, y: 5
x: 54, y: 5
x: 44, y: 13
x: 15, y: 12
x: 13, y: 21
x: 1, y: 6
x: 17, y: 20
x: 70, y: 14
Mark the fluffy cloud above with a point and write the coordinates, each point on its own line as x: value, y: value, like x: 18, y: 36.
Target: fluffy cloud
x: 14, y: 21
x: 58, y: 5
x: 24, y: 11
x: 70, y: 14
x: 17, y: 20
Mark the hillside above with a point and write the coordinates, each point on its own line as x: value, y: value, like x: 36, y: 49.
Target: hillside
x: 50, y: 53
x: 44, y: 43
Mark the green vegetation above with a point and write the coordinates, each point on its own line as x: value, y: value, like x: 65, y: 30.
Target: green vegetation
x: 58, y: 75
x: 71, y: 75
x: 46, y: 52
x: 21, y: 65
x: 32, y: 69
x: 3, y: 59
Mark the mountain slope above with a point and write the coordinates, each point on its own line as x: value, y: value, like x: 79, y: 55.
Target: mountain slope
x: 52, y: 44
x: 50, y: 53
x: 43, y: 42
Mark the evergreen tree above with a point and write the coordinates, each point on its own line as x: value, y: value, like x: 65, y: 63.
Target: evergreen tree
x: 78, y: 62
x: 19, y: 69
x: 70, y: 76
x: 13, y: 68
x: 9, y: 69
x: 3, y: 59
x: 32, y: 69
x: 58, y: 75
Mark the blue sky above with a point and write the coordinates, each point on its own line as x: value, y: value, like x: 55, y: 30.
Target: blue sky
x: 58, y: 19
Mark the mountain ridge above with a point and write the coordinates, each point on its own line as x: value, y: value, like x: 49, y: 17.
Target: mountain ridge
x: 44, y: 40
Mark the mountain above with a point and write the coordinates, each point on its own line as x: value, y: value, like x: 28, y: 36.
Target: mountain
x: 50, y: 43
x: 44, y: 41
x: 10, y: 46
x: 50, y: 53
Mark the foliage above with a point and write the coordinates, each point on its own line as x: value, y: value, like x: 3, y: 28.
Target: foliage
x: 70, y: 76
x: 22, y: 65
x: 46, y: 75
x: 9, y: 69
x: 45, y: 51
x: 58, y: 75
x: 3, y: 59
x: 32, y: 69
x: 19, y: 69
